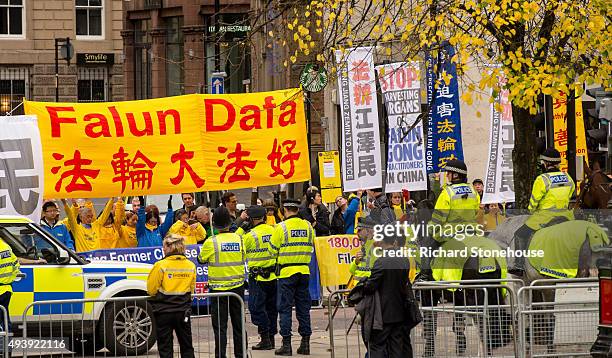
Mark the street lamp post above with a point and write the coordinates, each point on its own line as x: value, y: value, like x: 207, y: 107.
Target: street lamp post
x: 64, y: 48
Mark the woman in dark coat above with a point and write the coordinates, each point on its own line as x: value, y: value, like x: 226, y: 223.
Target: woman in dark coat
x: 316, y: 213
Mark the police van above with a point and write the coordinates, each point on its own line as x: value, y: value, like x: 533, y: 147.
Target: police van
x: 123, y: 327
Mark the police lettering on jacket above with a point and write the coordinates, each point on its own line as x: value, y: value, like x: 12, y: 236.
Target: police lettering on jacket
x: 299, y: 233
x: 460, y: 190
x: 230, y: 247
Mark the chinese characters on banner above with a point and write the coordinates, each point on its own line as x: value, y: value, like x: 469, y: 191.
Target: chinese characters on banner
x: 560, y: 129
x: 183, y: 144
x: 499, y: 178
x: 21, y: 167
x: 361, y: 159
x: 444, y: 124
x: 401, y: 89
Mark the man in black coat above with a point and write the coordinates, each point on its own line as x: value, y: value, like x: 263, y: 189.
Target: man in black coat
x: 390, y: 278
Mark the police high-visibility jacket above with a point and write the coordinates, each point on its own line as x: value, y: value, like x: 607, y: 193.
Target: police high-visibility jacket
x: 550, y: 198
x: 87, y: 237
x: 562, y: 244
x: 451, y: 268
x: 9, y: 267
x: 257, y: 248
x: 171, y: 281
x: 225, y: 256
x: 293, y: 246
x: 364, y: 268
x: 457, y: 204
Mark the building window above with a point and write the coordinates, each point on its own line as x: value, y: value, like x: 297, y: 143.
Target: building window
x: 93, y: 84
x: 11, y: 18
x: 89, y: 18
x: 174, y: 56
x: 13, y: 89
x: 142, y: 59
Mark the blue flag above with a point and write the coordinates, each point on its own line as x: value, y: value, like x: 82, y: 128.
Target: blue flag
x: 444, y: 120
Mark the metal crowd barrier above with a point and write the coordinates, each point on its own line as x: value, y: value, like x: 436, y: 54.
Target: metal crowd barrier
x: 126, y: 327
x: 5, y: 336
x: 553, y: 327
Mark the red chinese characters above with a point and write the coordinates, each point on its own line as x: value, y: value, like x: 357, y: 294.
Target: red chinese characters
x: 182, y: 157
x: 239, y: 165
x: 277, y: 159
x: 135, y: 170
x: 78, y: 174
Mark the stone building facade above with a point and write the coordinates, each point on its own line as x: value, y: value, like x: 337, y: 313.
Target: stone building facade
x: 28, y: 29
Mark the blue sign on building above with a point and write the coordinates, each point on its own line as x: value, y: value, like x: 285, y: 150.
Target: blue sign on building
x: 217, y: 83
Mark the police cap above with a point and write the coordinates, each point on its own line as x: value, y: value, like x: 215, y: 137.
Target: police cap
x: 221, y: 218
x: 366, y: 223
x: 256, y: 211
x: 456, y: 166
x: 551, y: 155
x: 291, y: 203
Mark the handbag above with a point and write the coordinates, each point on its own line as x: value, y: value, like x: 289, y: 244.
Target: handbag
x: 412, y: 309
x: 356, y: 294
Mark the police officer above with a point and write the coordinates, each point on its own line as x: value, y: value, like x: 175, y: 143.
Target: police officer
x: 361, y: 267
x: 293, y: 247
x: 171, y: 282
x: 458, y: 202
x: 9, y: 268
x: 550, y: 197
x: 262, y: 279
x: 225, y: 256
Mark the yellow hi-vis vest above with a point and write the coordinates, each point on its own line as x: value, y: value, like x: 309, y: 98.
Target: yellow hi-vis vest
x: 457, y: 204
x: 9, y: 267
x: 225, y: 256
x: 173, y: 275
x: 550, y: 198
x: 562, y: 244
x: 364, y: 268
x: 293, y: 246
x: 257, y: 248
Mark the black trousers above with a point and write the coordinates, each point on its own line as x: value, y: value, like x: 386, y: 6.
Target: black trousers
x: 220, y: 308
x: 179, y: 323
x: 392, y: 342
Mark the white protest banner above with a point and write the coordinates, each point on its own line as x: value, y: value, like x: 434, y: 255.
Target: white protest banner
x: 21, y: 167
x: 499, y: 178
x: 361, y: 159
x: 401, y: 89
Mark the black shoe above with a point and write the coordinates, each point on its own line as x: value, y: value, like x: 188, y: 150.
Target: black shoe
x: 285, y: 349
x: 264, y: 344
x: 304, y: 346
x: 272, y: 344
x: 516, y: 271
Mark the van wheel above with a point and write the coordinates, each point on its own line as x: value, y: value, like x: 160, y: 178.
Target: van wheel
x: 129, y: 328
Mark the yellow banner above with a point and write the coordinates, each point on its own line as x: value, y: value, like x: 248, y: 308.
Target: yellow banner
x: 170, y: 145
x: 334, y: 256
x: 560, y: 129
x: 329, y: 174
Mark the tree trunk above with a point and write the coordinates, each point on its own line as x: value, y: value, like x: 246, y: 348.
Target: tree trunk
x: 524, y: 155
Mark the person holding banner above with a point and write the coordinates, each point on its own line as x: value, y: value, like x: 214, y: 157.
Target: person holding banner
x: 171, y: 283
x: 343, y: 221
x: 127, y: 232
x: 84, y: 229
x: 262, y: 279
x: 550, y: 198
x: 224, y: 253
x: 149, y: 232
x: 380, y: 210
x: 293, y: 247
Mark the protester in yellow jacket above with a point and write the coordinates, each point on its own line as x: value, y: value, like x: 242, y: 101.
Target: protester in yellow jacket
x: 84, y: 229
x: 190, y: 229
x: 127, y: 231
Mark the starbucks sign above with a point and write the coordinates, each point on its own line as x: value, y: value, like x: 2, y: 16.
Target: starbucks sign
x: 313, y: 78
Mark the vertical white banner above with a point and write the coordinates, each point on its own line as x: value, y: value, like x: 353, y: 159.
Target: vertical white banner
x: 361, y: 153
x: 499, y: 177
x: 21, y: 167
x: 401, y: 89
